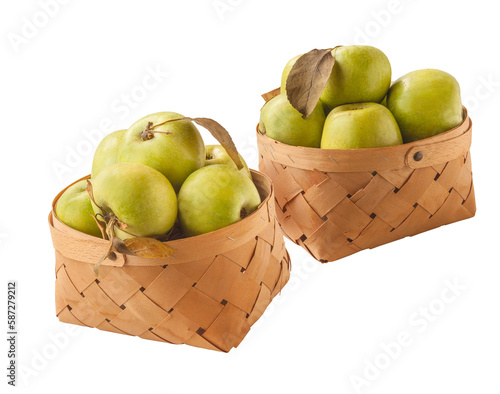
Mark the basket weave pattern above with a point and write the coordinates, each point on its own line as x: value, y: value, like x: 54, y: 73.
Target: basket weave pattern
x: 207, y: 295
x: 335, y: 203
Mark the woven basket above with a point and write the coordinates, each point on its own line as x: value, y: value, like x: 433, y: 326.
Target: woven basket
x: 335, y: 202
x: 208, y: 294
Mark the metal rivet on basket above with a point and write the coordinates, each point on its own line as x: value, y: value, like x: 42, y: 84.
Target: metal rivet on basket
x: 418, y: 156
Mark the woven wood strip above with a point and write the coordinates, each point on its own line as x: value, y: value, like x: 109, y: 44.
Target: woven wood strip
x: 210, y: 301
x: 335, y: 203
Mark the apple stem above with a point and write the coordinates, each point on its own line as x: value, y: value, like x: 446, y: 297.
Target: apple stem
x: 147, y: 133
x: 108, y: 232
x: 100, y: 224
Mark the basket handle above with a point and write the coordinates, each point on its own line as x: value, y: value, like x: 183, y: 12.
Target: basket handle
x: 425, y: 155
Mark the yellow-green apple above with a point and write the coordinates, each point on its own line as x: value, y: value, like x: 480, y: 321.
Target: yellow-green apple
x: 107, y: 151
x: 281, y: 122
x: 361, y: 73
x: 361, y: 125
x: 74, y: 208
x: 214, y: 197
x: 140, y: 198
x: 216, y: 154
x: 286, y: 71
x: 175, y: 149
x: 425, y: 103
x: 384, y: 101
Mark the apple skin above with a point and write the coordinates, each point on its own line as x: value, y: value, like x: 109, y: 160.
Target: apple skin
x: 361, y: 73
x: 286, y: 71
x: 107, y: 151
x: 281, y: 122
x: 139, y: 196
x: 214, y: 197
x: 74, y: 208
x: 175, y: 155
x: 216, y: 154
x: 425, y: 103
x: 361, y: 125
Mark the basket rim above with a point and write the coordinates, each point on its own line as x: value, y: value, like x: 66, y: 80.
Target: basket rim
x: 364, y: 159
x: 189, y: 245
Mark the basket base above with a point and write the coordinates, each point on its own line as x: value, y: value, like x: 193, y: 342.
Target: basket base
x: 333, y: 215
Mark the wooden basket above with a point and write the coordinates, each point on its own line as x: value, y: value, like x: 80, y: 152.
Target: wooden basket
x: 208, y: 294
x: 335, y: 202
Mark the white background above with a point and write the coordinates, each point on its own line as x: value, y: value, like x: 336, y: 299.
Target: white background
x: 67, y: 70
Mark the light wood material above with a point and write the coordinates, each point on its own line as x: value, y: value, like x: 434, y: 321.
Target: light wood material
x: 273, y: 93
x: 336, y: 202
x: 208, y: 294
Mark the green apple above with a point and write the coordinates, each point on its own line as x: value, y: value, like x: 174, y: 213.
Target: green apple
x: 360, y: 74
x: 286, y: 71
x: 176, y: 154
x: 74, y: 208
x: 425, y: 103
x: 214, y: 197
x: 281, y: 122
x: 384, y: 101
x: 138, y: 196
x: 216, y: 154
x: 362, y: 125
x: 107, y: 151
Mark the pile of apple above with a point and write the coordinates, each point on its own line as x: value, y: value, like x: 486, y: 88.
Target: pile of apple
x: 155, y: 177
x: 356, y: 105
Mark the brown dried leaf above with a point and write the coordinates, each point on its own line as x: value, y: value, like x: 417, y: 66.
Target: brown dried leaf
x: 219, y: 133
x: 308, y: 78
x: 120, y: 246
x: 90, y: 191
x: 106, y: 255
x: 148, y: 248
x: 101, y: 225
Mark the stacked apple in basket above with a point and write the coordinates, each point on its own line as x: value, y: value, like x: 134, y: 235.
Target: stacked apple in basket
x: 158, y: 179
x: 357, y: 160
x: 184, y: 246
x: 342, y: 98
